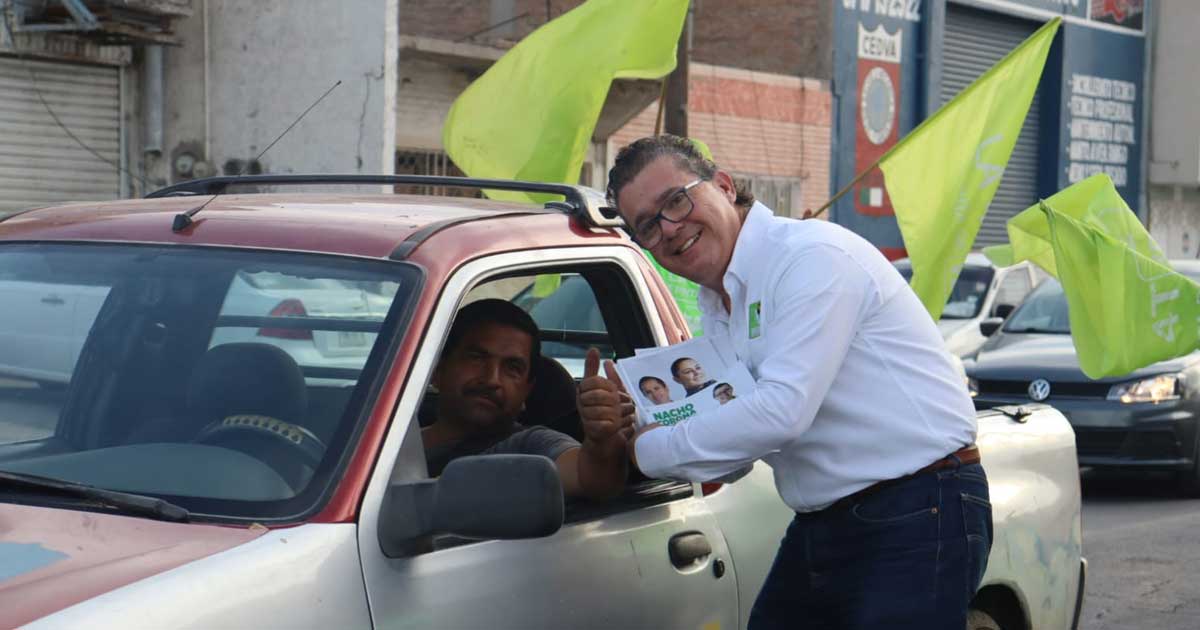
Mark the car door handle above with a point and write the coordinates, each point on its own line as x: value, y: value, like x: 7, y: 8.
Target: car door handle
x: 688, y: 548
x: 52, y: 299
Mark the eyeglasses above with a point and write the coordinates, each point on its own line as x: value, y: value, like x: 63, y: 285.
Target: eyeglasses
x: 677, y: 208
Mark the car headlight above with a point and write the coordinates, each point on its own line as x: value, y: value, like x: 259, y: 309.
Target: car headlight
x: 972, y: 387
x: 1156, y: 389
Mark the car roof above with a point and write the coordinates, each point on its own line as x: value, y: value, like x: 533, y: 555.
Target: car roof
x: 1186, y: 265
x: 975, y: 259
x: 371, y: 225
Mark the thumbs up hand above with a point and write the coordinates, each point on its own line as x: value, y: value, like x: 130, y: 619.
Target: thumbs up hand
x: 604, y: 408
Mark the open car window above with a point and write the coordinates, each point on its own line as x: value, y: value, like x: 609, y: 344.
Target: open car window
x: 572, y: 317
x: 230, y: 382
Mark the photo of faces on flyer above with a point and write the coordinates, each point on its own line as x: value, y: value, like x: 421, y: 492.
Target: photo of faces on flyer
x: 677, y: 382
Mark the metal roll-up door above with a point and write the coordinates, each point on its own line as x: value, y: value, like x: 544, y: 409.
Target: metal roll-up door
x: 975, y: 41
x: 39, y: 163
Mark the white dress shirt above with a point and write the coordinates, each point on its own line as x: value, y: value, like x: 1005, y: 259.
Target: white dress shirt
x: 853, y: 383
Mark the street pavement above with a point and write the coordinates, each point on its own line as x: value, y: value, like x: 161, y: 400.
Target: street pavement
x: 1142, y: 542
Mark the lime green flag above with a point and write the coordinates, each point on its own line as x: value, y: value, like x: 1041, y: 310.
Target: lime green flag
x: 1127, y: 310
x: 686, y: 294
x: 942, y: 176
x: 532, y: 114
x: 546, y: 283
x: 1093, y: 201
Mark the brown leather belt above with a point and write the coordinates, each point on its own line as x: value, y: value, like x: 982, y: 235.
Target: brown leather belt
x: 962, y: 457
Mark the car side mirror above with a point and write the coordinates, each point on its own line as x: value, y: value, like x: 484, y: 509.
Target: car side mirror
x: 484, y: 496
x: 989, y: 326
x: 1002, y: 310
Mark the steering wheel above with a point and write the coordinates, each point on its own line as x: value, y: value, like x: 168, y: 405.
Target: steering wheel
x: 299, y: 440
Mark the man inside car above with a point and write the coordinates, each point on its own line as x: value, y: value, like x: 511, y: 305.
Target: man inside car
x: 485, y: 374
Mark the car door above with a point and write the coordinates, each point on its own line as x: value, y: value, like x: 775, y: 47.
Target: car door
x: 654, y: 558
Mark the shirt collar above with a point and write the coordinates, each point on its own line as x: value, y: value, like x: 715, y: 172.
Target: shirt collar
x: 741, y: 264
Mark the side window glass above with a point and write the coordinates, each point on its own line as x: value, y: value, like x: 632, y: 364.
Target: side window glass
x: 1013, y: 288
x: 571, y: 319
x: 565, y: 308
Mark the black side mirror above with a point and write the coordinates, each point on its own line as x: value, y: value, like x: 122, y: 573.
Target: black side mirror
x: 989, y: 326
x: 1002, y: 310
x: 486, y: 496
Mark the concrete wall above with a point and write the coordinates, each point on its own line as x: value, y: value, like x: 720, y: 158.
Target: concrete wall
x: 1175, y: 118
x: 247, y: 70
x: 1175, y: 220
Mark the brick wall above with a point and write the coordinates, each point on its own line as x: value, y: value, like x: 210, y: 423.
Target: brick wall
x: 756, y: 123
x: 792, y: 37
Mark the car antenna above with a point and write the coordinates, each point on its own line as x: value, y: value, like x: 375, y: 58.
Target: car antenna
x: 184, y: 219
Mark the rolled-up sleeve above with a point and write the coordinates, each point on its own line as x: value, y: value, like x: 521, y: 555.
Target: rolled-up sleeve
x: 817, y: 300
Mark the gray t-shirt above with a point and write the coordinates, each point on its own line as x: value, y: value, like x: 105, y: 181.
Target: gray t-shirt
x: 535, y: 440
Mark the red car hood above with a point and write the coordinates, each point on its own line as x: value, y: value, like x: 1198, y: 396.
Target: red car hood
x: 51, y: 559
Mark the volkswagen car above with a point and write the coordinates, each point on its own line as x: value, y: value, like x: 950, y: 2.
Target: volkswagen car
x: 1142, y: 421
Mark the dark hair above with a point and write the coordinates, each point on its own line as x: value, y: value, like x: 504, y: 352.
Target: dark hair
x: 632, y: 158
x: 676, y: 362
x: 651, y: 378
x: 719, y: 386
x: 493, y: 311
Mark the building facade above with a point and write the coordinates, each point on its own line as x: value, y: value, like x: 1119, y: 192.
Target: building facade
x: 759, y: 88
x: 898, y: 61
x: 1174, y: 169
x: 116, y: 98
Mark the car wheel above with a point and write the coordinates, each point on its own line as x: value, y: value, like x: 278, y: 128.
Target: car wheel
x: 979, y: 620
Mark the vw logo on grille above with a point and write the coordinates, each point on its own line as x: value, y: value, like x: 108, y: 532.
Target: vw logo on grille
x: 1039, y: 389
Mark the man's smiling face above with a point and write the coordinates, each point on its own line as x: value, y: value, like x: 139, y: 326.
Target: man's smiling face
x: 700, y: 246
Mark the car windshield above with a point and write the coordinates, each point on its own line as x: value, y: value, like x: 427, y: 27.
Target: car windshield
x: 228, y: 382
x: 1044, y: 311
x: 967, y: 297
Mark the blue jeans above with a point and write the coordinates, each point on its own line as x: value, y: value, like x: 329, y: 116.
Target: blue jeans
x: 910, y: 555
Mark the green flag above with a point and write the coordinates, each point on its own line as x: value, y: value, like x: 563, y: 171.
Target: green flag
x: 1093, y: 201
x: 1127, y: 310
x: 942, y: 176
x: 532, y: 114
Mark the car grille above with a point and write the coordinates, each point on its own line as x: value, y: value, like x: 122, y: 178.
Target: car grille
x: 1092, y: 442
x: 1021, y: 388
x: 1156, y: 444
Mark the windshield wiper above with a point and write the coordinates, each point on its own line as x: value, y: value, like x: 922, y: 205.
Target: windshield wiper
x: 134, y: 504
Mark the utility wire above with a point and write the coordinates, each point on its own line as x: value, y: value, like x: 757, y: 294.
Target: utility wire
x: 41, y: 97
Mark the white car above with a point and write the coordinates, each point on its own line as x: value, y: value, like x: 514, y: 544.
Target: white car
x: 982, y: 291
x: 32, y: 299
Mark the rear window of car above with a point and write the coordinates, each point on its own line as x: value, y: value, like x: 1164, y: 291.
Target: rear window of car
x: 133, y: 368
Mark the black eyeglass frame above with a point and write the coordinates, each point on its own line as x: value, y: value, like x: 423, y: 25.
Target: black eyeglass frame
x: 659, y: 217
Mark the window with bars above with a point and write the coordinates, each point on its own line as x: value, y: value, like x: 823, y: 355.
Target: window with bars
x: 423, y: 162
x: 781, y: 194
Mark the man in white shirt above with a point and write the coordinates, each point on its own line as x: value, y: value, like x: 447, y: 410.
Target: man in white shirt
x: 857, y: 408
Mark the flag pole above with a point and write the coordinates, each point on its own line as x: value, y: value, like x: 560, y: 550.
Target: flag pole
x: 846, y: 189
x: 662, y: 100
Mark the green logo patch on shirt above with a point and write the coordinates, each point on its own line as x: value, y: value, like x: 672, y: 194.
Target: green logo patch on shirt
x: 755, y: 319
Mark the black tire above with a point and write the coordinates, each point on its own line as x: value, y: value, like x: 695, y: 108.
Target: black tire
x: 979, y: 620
